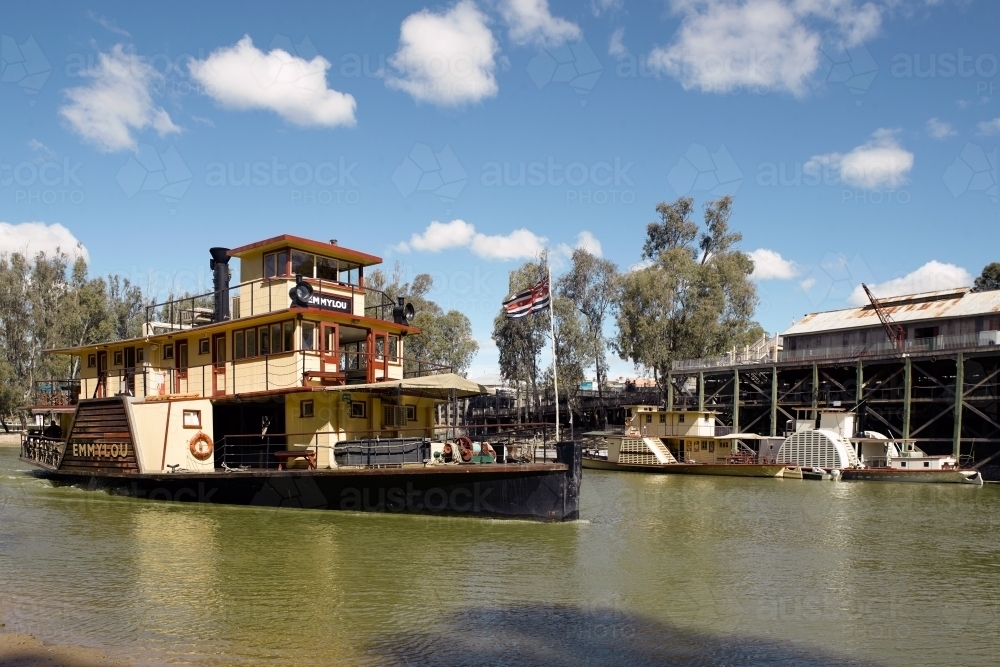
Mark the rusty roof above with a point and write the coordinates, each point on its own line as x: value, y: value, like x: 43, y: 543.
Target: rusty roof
x: 946, y: 304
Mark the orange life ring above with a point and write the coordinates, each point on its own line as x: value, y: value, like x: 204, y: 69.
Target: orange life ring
x: 201, y: 446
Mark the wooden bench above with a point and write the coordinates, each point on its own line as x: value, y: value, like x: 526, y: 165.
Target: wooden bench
x: 285, y: 455
x: 327, y: 378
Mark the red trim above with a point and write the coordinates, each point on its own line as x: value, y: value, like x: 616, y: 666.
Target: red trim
x: 327, y: 249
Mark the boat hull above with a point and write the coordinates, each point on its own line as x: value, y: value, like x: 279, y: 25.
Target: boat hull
x: 724, y: 470
x: 544, y: 491
x: 914, y: 476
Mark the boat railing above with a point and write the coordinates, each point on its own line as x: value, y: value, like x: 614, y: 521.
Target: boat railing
x: 380, y: 447
x: 42, y: 449
x: 254, y: 297
x: 55, y: 393
x: 261, y: 373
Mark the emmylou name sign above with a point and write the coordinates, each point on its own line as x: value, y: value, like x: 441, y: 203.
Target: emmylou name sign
x: 100, y: 450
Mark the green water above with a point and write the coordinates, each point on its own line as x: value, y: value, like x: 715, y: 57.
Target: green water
x: 666, y: 569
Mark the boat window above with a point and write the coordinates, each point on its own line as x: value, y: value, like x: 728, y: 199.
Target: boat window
x: 393, y: 348
x: 288, y: 333
x: 265, y: 341
x: 358, y: 410
x: 663, y: 418
x: 91, y: 360
x: 306, y: 409
x: 276, y: 338
x: 326, y: 268
x: 927, y: 464
x: 251, y: 342
x: 239, y: 351
x: 303, y: 264
x: 182, y: 355
x: 680, y: 418
x: 168, y: 351
x: 282, y: 263
x: 649, y: 419
x: 269, y: 271
x: 308, y: 335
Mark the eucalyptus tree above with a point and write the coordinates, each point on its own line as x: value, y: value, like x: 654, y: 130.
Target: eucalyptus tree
x: 445, y: 337
x: 694, y: 297
x: 592, y: 286
x: 989, y: 279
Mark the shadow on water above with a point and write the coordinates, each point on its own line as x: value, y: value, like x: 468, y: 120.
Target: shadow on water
x: 557, y: 635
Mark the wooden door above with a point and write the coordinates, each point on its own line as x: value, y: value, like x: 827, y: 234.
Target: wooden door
x: 380, y: 352
x: 219, y: 364
x: 130, y: 370
x: 102, y: 375
x: 181, y: 364
x: 329, y: 348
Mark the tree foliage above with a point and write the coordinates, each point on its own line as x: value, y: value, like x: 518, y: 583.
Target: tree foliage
x: 445, y: 337
x: 591, y: 286
x: 693, y: 299
x: 519, y: 342
x: 45, y: 303
x: 989, y: 279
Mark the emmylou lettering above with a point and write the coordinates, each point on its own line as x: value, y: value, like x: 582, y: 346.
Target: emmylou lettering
x: 327, y: 302
x: 100, y: 450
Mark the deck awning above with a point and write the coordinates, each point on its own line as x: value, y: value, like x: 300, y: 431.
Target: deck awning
x: 746, y: 436
x: 445, y: 385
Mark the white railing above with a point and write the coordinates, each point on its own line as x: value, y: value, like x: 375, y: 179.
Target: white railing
x: 774, y: 351
x: 766, y: 349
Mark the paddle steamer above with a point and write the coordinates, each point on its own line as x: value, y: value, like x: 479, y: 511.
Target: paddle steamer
x: 289, y: 389
x: 676, y: 442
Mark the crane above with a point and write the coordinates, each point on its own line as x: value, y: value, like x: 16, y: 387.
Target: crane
x: 896, y: 333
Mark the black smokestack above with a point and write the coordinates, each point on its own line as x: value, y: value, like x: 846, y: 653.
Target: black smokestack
x: 220, y: 282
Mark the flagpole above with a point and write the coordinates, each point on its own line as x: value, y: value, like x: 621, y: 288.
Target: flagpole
x: 552, y: 332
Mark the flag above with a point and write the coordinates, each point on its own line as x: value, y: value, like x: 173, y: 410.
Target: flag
x: 529, y: 301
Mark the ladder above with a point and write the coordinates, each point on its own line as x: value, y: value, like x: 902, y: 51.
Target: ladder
x: 659, y: 450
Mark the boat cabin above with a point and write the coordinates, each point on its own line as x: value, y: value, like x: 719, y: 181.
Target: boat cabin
x: 689, y: 435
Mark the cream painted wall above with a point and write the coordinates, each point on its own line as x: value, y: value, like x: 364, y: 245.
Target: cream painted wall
x: 150, y: 424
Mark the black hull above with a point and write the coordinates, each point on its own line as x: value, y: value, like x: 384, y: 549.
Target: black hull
x: 533, y: 491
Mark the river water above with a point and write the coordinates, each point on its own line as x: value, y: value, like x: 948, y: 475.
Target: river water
x: 661, y: 570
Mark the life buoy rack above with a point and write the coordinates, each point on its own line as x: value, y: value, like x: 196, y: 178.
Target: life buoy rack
x: 201, y: 446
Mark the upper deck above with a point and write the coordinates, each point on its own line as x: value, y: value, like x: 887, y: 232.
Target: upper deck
x: 256, y: 337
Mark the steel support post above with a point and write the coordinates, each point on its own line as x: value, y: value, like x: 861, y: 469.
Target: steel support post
x: 670, y: 392
x: 736, y: 400
x: 774, y: 401
x: 701, y: 392
x: 907, y: 383
x: 859, y: 392
x: 815, y: 392
x: 956, y: 444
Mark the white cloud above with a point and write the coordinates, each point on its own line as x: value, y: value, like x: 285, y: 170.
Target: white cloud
x: 446, y: 59
x: 519, y: 244
x: 440, y: 236
x: 938, y: 129
x: 531, y: 22
x: 116, y: 102
x: 30, y: 238
x: 598, y: 7
x: 930, y: 277
x: 107, y: 24
x: 590, y: 243
x: 244, y: 77
x: 770, y: 265
x: 881, y: 162
x: 807, y: 284
x: 725, y: 45
x: 989, y: 126
x: 617, y: 48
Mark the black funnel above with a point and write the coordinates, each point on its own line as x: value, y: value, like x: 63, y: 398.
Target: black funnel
x: 220, y: 282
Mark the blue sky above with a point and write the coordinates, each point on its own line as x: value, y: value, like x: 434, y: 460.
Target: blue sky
x: 859, y: 139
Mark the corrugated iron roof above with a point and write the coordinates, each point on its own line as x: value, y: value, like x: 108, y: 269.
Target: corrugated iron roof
x: 945, y: 304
